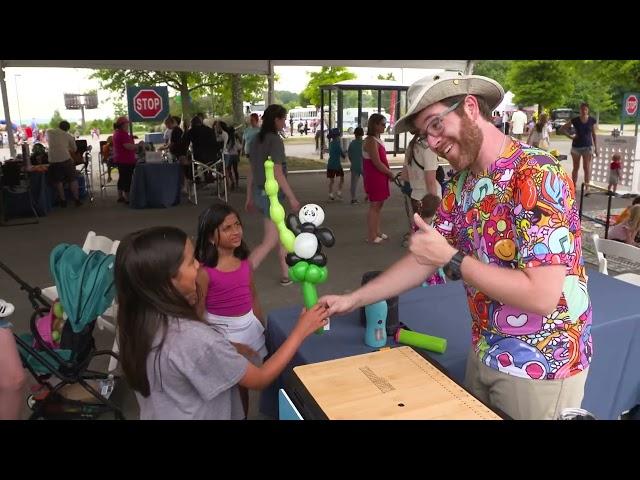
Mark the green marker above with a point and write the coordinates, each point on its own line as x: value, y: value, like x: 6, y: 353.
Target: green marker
x: 421, y: 340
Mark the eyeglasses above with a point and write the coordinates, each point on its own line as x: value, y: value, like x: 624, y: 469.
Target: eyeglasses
x: 436, y: 126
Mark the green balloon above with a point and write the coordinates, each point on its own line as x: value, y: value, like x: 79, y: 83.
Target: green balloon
x: 271, y: 187
x: 287, y: 238
x: 315, y: 274
x: 276, y: 212
x: 298, y: 271
x: 310, y: 294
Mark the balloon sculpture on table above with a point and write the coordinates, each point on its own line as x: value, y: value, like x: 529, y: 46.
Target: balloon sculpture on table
x: 302, y: 237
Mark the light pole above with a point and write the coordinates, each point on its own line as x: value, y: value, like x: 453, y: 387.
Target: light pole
x: 15, y: 79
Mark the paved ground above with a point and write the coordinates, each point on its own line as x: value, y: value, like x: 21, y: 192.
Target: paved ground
x: 26, y: 248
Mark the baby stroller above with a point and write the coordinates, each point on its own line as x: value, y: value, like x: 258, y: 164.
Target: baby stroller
x: 58, y: 352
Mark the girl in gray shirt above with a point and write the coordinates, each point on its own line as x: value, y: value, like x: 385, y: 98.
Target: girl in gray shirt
x: 179, y: 366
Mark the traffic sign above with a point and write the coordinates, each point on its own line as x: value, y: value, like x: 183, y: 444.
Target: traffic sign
x: 147, y: 104
x: 630, y: 105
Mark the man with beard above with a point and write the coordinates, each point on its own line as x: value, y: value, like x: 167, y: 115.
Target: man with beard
x: 508, y: 227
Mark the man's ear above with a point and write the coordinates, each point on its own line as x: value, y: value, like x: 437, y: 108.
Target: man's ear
x: 471, y: 107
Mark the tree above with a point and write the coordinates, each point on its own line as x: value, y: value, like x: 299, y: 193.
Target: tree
x: 590, y: 84
x: 56, y: 119
x: 288, y: 99
x: 388, y: 76
x: 190, y: 85
x: 234, y: 89
x: 545, y: 82
x: 495, y: 69
x: 622, y: 76
x: 326, y: 76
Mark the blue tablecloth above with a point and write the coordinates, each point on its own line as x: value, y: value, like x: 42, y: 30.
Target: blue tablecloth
x: 43, y: 196
x: 613, y: 384
x: 155, y: 185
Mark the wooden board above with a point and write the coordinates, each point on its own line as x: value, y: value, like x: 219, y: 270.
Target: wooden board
x: 390, y: 384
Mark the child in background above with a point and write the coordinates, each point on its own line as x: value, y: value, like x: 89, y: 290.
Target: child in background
x: 354, y: 152
x: 614, y: 172
x: 428, y: 207
x: 627, y: 230
x: 180, y: 366
x: 107, y: 156
x: 334, y: 167
x: 232, y: 157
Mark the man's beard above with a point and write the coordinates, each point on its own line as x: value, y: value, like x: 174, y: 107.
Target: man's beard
x: 468, y: 145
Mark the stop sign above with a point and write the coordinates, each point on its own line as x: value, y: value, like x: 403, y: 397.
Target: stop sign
x: 631, y: 105
x: 147, y: 104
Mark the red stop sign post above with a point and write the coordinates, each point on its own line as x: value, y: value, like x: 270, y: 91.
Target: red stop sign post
x: 630, y: 108
x: 147, y: 104
x: 631, y: 105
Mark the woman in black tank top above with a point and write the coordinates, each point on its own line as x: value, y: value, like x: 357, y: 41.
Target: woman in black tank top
x: 583, y: 143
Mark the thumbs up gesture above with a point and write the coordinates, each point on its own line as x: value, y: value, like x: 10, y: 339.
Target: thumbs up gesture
x: 428, y: 246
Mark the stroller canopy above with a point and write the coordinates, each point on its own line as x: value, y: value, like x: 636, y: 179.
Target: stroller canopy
x: 85, y: 283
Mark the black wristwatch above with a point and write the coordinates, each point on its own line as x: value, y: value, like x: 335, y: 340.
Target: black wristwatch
x: 452, y: 269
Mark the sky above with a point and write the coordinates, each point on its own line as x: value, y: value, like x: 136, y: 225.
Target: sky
x: 37, y: 92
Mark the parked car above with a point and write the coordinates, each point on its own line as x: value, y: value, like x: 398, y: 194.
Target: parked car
x: 560, y: 116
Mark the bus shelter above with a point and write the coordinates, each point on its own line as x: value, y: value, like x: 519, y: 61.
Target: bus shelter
x: 349, y: 104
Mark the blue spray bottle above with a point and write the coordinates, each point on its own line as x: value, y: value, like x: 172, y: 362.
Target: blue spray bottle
x: 375, y: 334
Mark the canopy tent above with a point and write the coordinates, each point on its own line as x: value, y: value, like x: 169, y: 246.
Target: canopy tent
x: 262, y: 67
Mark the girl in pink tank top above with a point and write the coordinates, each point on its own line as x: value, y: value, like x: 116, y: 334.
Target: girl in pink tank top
x: 227, y: 295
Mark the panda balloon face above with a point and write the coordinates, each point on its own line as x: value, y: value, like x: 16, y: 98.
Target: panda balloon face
x: 310, y: 236
x: 311, y: 213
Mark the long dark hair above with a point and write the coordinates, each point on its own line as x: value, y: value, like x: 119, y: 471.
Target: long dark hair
x: 208, y: 223
x: 374, y: 120
x: 146, y: 262
x: 269, y: 120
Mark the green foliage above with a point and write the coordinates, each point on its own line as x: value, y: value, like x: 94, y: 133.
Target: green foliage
x: 495, y: 69
x: 545, y: 82
x: 284, y: 97
x: 326, y: 76
x: 388, y: 76
x: 590, y: 85
x: 213, y: 88
x: 56, y: 119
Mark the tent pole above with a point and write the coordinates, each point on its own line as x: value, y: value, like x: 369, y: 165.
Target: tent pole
x: 7, y: 116
x: 469, y: 68
x: 270, y: 83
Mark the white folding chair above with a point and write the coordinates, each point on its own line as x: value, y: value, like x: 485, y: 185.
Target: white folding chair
x: 199, y: 171
x: 91, y: 243
x: 624, y: 253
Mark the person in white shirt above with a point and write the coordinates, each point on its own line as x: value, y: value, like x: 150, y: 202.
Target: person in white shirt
x: 518, y: 121
x: 539, y: 133
x: 61, y: 166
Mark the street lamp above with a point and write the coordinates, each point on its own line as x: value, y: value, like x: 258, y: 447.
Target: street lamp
x: 15, y: 79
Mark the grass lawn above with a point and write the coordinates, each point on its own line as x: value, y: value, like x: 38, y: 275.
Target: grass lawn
x: 293, y: 164
x: 300, y: 140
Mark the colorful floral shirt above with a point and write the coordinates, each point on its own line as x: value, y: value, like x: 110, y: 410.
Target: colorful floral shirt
x: 521, y: 213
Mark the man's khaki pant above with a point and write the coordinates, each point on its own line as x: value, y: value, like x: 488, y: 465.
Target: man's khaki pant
x: 521, y: 398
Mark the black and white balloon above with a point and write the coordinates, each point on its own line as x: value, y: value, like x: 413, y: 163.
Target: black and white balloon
x: 310, y: 237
